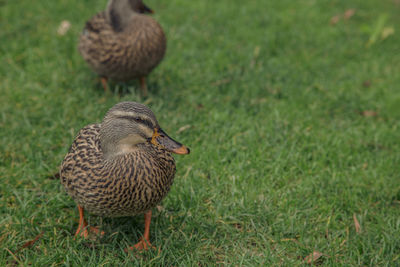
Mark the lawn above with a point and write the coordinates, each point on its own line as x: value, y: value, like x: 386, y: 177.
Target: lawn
x: 291, y: 110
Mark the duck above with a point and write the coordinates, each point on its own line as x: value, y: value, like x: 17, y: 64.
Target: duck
x: 122, y: 43
x: 122, y: 166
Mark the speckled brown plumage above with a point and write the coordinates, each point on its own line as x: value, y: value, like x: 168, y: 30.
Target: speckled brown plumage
x: 122, y: 53
x: 124, y: 186
x: 121, y: 167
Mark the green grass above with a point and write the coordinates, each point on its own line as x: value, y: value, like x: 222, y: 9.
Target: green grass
x: 273, y: 99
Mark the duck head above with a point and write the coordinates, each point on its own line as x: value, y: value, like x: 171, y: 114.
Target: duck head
x: 119, y: 12
x: 128, y: 124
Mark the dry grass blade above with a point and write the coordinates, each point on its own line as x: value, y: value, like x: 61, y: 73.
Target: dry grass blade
x: 16, y: 260
x: 387, y: 31
x: 349, y: 13
x: 335, y: 20
x: 369, y: 113
x: 367, y: 83
x: 183, y: 128
x: 160, y: 208
x: 31, y: 242
x: 64, y: 27
x: 313, y: 257
x: 356, y: 224
x: 221, y: 82
x: 346, y: 15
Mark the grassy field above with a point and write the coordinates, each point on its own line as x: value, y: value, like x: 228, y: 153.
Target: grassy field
x: 291, y: 110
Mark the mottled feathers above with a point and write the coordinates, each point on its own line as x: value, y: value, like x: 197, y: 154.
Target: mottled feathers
x: 124, y: 53
x: 122, y: 186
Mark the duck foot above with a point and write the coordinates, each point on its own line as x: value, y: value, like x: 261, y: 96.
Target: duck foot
x: 143, y: 85
x: 87, y: 230
x: 83, y: 229
x: 141, y: 245
x: 144, y: 243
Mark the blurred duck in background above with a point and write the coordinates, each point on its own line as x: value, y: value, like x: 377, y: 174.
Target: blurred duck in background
x: 122, y: 43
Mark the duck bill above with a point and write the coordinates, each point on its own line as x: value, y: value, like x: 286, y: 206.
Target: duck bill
x: 146, y: 9
x: 160, y: 138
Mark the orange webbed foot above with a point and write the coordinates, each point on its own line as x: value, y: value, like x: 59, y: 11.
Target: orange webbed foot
x: 144, y: 243
x: 83, y: 229
x: 85, y: 232
x: 141, y: 246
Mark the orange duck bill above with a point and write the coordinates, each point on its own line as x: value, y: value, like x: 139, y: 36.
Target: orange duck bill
x: 160, y: 138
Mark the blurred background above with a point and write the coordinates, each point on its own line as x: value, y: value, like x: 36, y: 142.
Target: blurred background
x: 291, y: 110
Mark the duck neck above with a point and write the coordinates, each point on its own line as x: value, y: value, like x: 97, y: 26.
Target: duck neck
x: 119, y: 13
x: 113, y: 145
x: 110, y: 150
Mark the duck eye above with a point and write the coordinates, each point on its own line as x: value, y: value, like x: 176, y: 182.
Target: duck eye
x: 138, y: 120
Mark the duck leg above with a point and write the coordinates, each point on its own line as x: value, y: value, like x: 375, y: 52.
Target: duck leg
x: 143, y: 85
x: 83, y: 226
x: 144, y: 243
x: 104, y: 83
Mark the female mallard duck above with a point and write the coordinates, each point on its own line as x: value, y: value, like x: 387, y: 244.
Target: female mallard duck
x: 121, y: 43
x: 120, y: 167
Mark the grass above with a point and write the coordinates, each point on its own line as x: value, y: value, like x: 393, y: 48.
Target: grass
x: 293, y: 123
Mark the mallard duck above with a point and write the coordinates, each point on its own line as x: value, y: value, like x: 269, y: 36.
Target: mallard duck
x: 121, y: 43
x: 121, y: 167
